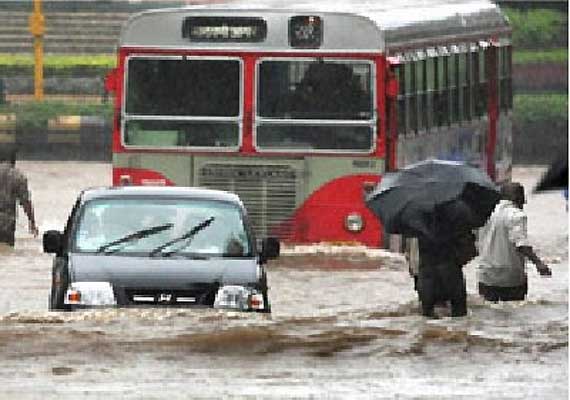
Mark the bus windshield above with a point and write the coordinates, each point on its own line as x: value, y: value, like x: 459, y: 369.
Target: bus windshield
x: 315, y: 104
x: 190, y: 102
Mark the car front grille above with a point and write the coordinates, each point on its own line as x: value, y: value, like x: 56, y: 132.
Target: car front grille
x: 201, y: 295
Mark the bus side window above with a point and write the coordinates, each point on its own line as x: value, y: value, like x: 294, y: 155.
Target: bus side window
x: 431, y: 74
x: 411, y: 125
x: 475, y: 82
x: 402, y: 111
x: 453, y: 87
x: 467, y: 100
x: 504, y: 69
x: 440, y: 90
x: 420, y: 93
x: 446, y: 83
x: 461, y: 83
x: 482, y: 95
x: 500, y: 76
x: 510, y: 76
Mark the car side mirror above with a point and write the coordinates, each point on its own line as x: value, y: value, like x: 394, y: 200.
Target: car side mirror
x: 52, y: 241
x: 270, y: 248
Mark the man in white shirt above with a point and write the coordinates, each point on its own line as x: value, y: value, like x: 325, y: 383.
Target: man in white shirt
x: 504, y: 247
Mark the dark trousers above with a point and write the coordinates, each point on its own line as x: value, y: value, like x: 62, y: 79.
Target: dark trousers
x: 499, y: 293
x: 7, y: 235
x: 442, y: 282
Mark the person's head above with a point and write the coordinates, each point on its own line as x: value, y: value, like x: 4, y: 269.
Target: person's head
x: 8, y: 155
x: 514, y: 192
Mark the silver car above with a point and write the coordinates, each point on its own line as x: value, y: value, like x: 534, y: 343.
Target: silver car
x: 159, y: 246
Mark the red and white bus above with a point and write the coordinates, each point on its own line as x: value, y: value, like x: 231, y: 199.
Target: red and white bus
x: 296, y: 106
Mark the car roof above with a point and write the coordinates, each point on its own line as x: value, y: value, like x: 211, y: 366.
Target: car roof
x: 160, y: 192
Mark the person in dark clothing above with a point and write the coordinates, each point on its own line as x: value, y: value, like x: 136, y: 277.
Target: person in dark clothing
x: 440, y: 279
x: 330, y: 90
x: 442, y: 257
x: 13, y: 187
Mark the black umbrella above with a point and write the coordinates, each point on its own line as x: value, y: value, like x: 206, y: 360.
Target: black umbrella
x: 433, y: 197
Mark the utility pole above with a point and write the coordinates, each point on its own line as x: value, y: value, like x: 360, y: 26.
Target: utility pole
x: 37, y: 28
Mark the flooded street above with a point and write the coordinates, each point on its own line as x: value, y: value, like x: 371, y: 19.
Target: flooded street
x: 344, y: 326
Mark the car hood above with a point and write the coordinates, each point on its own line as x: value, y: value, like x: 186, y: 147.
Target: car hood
x: 130, y: 271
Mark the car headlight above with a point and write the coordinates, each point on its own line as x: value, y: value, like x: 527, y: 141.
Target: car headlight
x: 354, y: 222
x: 90, y: 294
x: 239, y: 298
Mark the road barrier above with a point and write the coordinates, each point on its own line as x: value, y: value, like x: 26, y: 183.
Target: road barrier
x: 66, y: 137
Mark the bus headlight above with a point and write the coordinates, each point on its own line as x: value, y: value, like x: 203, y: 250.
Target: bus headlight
x: 354, y: 222
x: 90, y: 294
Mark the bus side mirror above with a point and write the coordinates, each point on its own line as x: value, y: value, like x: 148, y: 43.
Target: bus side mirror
x: 270, y: 248
x: 52, y: 241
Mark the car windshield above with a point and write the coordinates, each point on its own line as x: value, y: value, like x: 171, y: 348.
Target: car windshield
x: 114, y: 226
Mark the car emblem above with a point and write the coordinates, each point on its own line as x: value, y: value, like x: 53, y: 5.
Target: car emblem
x: 164, y: 298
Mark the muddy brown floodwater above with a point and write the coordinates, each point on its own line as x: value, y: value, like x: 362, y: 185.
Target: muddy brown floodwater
x: 345, y: 325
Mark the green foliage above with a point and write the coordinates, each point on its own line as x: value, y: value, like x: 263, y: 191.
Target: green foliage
x: 543, y: 108
x: 537, y: 28
x: 57, y: 65
x: 35, y: 115
x: 59, y: 61
x: 544, y: 56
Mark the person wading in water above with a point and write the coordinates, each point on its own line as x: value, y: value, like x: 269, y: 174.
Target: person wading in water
x: 13, y: 188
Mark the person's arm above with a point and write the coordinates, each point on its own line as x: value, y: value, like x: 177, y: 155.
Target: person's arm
x: 24, y: 198
x: 29, y: 210
x: 528, y: 252
x: 518, y: 236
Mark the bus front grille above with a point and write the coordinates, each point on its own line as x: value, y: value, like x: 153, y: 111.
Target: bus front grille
x: 269, y: 192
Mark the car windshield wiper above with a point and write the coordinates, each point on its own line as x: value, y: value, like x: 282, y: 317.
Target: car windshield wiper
x: 134, y: 236
x: 186, y: 237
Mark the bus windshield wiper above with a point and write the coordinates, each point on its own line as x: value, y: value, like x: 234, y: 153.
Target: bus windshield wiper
x: 133, y: 236
x: 187, y: 238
